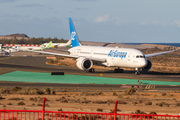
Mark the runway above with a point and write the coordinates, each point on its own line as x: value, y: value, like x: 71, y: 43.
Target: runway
x: 38, y: 64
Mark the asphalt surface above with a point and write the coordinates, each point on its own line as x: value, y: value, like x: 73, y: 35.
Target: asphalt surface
x: 81, y: 87
x: 30, y: 63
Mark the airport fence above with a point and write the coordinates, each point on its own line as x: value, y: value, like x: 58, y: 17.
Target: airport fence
x: 67, y: 115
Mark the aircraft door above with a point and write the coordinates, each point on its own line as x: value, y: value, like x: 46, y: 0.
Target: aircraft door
x: 92, y: 52
x: 129, y: 57
x: 76, y: 51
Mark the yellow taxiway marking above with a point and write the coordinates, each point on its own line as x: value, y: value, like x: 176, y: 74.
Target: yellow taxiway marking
x: 101, y: 74
x: 6, y: 58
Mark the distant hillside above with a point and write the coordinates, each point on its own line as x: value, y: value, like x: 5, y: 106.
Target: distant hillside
x: 24, y: 39
x: 16, y: 35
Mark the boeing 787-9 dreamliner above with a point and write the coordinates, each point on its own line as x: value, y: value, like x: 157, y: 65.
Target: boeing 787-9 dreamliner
x: 87, y: 56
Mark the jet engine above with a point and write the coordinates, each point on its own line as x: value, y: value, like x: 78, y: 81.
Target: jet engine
x: 148, y: 66
x: 84, y: 63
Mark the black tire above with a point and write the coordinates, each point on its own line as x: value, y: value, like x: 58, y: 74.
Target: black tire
x: 92, y: 70
x: 137, y: 73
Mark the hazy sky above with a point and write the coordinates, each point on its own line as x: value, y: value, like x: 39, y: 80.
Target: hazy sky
x: 122, y: 21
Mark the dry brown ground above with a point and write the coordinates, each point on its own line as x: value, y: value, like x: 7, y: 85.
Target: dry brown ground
x: 162, y: 102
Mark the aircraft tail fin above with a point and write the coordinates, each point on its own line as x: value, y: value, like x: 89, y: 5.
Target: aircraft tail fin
x: 49, y: 45
x: 74, y: 37
x: 15, y: 48
x: 42, y: 45
x: 69, y: 42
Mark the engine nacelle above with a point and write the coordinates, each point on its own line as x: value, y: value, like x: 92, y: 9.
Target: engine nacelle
x: 84, y: 63
x: 148, y: 66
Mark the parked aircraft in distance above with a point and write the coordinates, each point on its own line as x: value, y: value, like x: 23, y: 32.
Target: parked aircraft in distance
x: 6, y: 51
x: 53, y: 45
x: 87, y: 56
x: 26, y: 48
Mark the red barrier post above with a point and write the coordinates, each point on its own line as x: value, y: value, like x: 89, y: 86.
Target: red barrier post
x: 43, y: 108
x: 115, y: 110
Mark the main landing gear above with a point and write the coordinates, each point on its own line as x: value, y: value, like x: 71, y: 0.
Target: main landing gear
x: 137, y: 72
x: 118, y: 70
x: 92, y: 70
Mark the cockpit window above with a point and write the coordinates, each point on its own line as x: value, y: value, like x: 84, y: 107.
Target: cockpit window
x: 140, y: 56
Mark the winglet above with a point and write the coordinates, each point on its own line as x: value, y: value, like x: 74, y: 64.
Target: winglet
x: 74, y: 37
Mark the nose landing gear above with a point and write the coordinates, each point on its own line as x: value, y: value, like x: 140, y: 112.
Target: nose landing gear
x: 137, y: 71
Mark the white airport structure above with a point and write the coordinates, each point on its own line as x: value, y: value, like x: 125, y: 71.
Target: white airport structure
x: 23, y: 45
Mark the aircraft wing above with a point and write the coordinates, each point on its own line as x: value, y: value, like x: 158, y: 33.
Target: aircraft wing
x: 160, y: 53
x: 66, y: 55
x: 51, y: 53
x: 59, y: 50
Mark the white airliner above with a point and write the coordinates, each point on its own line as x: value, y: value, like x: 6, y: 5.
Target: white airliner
x: 87, y: 56
x: 59, y: 44
x: 26, y: 48
x: 6, y: 51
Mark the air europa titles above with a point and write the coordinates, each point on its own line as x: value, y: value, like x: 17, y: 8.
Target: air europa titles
x: 115, y: 53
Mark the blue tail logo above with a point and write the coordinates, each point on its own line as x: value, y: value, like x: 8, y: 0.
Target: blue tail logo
x: 15, y: 49
x: 74, y: 38
x: 73, y: 34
